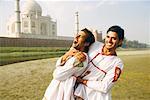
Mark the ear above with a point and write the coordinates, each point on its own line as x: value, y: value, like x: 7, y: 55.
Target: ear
x: 86, y: 44
x: 120, y: 42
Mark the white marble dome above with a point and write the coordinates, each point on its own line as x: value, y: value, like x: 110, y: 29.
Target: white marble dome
x: 31, y: 6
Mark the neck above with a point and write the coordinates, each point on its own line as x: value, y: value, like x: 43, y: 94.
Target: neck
x: 107, y: 51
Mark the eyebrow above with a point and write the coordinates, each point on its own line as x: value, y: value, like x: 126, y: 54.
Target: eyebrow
x: 111, y: 37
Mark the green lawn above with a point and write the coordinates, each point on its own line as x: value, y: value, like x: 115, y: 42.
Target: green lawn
x: 29, y: 80
x: 135, y: 79
x: 10, y: 55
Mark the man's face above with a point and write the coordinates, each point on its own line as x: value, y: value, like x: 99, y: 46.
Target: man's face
x: 112, y: 40
x: 79, y: 41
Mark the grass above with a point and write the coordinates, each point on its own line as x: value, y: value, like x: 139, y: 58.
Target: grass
x: 10, y: 55
x: 31, y: 49
x: 29, y: 80
x: 26, y: 80
x: 135, y: 79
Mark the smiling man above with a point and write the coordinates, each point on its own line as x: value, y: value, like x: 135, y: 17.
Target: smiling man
x: 71, y: 65
x: 114, y: 39
x: 104, y: 67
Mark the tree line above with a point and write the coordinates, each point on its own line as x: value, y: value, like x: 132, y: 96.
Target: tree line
x: 133, y: 44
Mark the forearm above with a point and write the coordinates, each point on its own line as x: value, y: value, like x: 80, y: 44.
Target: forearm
x: 62, y: 75
x: 99, y: 86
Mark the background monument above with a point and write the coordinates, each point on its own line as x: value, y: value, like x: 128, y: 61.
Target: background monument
x: 29, y: 23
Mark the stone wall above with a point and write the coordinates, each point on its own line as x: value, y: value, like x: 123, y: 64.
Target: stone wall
x: 30, y: 42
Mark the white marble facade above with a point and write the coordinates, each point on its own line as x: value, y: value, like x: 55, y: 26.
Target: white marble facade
x: 33, y: 24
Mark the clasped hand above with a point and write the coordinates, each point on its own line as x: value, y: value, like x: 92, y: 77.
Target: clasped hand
x: 73, y: 52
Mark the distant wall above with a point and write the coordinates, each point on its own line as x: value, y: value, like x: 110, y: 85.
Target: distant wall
x: 30, y: 42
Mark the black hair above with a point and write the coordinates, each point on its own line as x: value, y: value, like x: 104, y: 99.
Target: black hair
x: 90, y: 39
x: 118, y: 30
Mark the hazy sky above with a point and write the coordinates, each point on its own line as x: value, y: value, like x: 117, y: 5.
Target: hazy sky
x: 132, y: 15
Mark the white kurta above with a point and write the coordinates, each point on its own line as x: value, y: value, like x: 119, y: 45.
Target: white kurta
x: 62, y: 85
x: 103, y: 73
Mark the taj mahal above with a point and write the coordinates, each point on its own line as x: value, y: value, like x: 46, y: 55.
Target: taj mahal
x: 28, y: 27
x: 29, y: 23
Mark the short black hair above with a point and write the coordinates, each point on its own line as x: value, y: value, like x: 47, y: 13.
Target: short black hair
x: 90, y: 39
x: 118, y: 30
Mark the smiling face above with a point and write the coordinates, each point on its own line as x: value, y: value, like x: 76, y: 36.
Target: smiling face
x: 112, y: 40
x: 79, y: 41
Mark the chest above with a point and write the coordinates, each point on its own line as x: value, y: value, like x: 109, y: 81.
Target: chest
x: 98, y: 67
x: 102, y: 62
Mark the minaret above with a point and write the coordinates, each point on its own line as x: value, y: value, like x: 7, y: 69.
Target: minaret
x: 17, y: 18
x: 77, y: 23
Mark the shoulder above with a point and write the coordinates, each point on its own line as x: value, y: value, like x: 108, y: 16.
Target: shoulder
x: 95, y: 46
x: 119, y: 63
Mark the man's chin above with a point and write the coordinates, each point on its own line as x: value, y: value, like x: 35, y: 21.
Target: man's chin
x: 108, y: 47
x: 73, y: 45
x: 76, y: 48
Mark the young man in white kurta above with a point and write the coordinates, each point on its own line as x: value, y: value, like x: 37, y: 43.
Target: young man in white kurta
x: 64, y: 76
x: 101, y: 77
x: 104, y: 67
x: 61, y: 87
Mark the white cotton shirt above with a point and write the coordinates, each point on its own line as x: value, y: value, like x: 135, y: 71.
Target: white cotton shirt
x: 62, y: 85
x: 102, y: 75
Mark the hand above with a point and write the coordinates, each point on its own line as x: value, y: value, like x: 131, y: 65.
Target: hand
x: 80, y: 56
x: 82, y: 81
x: 72, y: 52
x: 65, y: 57
x: 79, y: 79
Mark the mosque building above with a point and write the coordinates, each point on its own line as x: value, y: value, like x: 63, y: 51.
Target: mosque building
x: 29, y: 23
